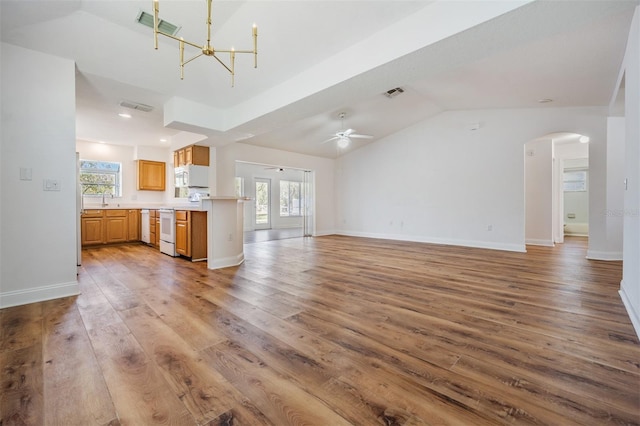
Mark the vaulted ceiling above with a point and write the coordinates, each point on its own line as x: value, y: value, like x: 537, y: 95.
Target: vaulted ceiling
x: 319, y: 58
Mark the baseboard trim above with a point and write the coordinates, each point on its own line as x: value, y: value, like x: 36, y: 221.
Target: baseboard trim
x: 225, y: 262
x: 633, y: 315
x: 444, y: 241
x: 604, y: 255
x: 536, y: 242
x: 39, y: 294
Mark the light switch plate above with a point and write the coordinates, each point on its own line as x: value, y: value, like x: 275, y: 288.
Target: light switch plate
x: 26, y: 173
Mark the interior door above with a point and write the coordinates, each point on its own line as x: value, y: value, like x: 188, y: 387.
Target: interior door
x: 263, y: 203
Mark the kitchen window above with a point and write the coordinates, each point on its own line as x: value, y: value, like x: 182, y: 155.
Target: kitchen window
x: 290, y: 201
x: 101, y: 177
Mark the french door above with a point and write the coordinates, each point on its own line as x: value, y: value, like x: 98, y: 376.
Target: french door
x: 263, y: 203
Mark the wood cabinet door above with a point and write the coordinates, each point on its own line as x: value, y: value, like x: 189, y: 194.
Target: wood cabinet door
x: 200, y: 155
x: 188, y: 155
x: 116, y: 229
x: 182, y: 238
x: 92, y: 231
x: 157, y: 242
x: 151, y: 175
x: 133, y: 217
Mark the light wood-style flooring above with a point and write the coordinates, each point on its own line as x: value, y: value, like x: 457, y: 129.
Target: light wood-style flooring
x: 328, y: 331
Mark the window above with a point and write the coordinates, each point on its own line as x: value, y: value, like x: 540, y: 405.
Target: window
x: 100, y: 177
x: 290, y: 201
x: 574, y: 181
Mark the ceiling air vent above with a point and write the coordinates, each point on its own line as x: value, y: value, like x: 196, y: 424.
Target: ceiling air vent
x: 136, y: 106
x: 393, y: 92
x: 146, y: 19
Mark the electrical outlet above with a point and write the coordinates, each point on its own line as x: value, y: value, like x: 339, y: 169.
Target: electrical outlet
x: 490, y: 228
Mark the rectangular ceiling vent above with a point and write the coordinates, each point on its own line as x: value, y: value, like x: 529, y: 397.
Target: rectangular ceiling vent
x: 146, y: 19
x: 393, y: 92
x: 137, y: 106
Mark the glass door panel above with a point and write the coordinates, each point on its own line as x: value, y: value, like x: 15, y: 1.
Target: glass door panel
x: 263, y: 203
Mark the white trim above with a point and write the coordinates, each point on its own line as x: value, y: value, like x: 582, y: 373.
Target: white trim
x: 38, y: 294
x: 536, y: 242
x: 225, y: 262
x: 604, y: 255
x: 445, y: 241
x: 633, y: 315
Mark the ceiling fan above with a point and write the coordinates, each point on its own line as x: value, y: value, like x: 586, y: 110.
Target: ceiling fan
x: 344, y: 136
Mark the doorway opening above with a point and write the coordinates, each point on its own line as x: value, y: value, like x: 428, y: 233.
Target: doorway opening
x: 556, y: 188
x: 280, y: 201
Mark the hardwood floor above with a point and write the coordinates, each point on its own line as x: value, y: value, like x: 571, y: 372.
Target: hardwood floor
x: 328, y: 331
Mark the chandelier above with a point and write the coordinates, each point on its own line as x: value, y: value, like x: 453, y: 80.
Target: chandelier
x: 206, y: 49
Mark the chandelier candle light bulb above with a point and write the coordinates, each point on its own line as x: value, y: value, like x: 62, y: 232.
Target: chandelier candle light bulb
x: 206, y: 49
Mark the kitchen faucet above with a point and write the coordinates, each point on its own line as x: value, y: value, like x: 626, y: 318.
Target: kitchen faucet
x: 104, y: 203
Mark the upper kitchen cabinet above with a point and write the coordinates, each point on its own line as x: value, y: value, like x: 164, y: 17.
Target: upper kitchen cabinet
x: 151, y: 175
x: 193, y: 154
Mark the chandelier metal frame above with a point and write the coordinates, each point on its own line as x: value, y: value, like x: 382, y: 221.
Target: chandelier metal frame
x: 207, y: 49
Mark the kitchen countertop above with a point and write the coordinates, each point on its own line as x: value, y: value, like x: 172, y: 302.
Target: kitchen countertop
x: 152, y: 206
x: 113, y: 204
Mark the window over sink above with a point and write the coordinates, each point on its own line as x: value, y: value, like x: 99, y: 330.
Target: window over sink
x: 101, y: 177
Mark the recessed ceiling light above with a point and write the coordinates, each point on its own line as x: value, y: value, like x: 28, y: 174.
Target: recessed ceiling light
x: 163, y: 140
x: 124, y: 115
x: 545, y: 100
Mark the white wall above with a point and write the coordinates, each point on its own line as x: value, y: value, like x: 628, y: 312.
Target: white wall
x: 127, y: 155
x: 615, y: 185
x: 538, y: 182
x: 38, y: 228
x: 439, y: 182
x: 630, y: 286
x: 323, y: 168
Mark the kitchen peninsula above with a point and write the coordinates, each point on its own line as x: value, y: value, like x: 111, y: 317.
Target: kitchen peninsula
x: 223, y: 227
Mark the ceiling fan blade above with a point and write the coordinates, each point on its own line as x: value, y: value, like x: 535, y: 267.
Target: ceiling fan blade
x: 347, y: 132
x: 331, y: 139
x: 361, y: 136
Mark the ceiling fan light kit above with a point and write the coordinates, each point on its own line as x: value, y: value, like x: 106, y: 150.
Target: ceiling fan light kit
x: 343, y: 137
x: 206, y: 49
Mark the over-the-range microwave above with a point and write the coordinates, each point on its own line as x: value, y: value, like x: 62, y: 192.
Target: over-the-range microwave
x: 192, y: 176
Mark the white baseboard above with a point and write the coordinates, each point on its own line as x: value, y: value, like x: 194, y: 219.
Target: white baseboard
x: 633, y: 315
x: 490, y: 245
x: 225, y: 262
x: 604, y: 255
x: 537, y: 242
x: 38, y: 294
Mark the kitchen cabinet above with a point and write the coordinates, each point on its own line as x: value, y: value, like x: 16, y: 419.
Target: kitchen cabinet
x: 133, y: 219
x: 151, y: 175
x: 116, y: 227
x: 191, y: 234
x: 92, y: 227
x: 153, y: 220
x: 157, y: 244
x: 193, y: 154
x: 108, y: 226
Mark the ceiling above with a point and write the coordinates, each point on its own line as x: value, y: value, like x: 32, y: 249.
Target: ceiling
x: 318, y: 58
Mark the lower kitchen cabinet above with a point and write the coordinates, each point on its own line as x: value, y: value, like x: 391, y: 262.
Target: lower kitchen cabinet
x: 108, y: 226
x: 133, y: 219
x: 116, y: 227
x: 92, y: 227
x: 191, y: 234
